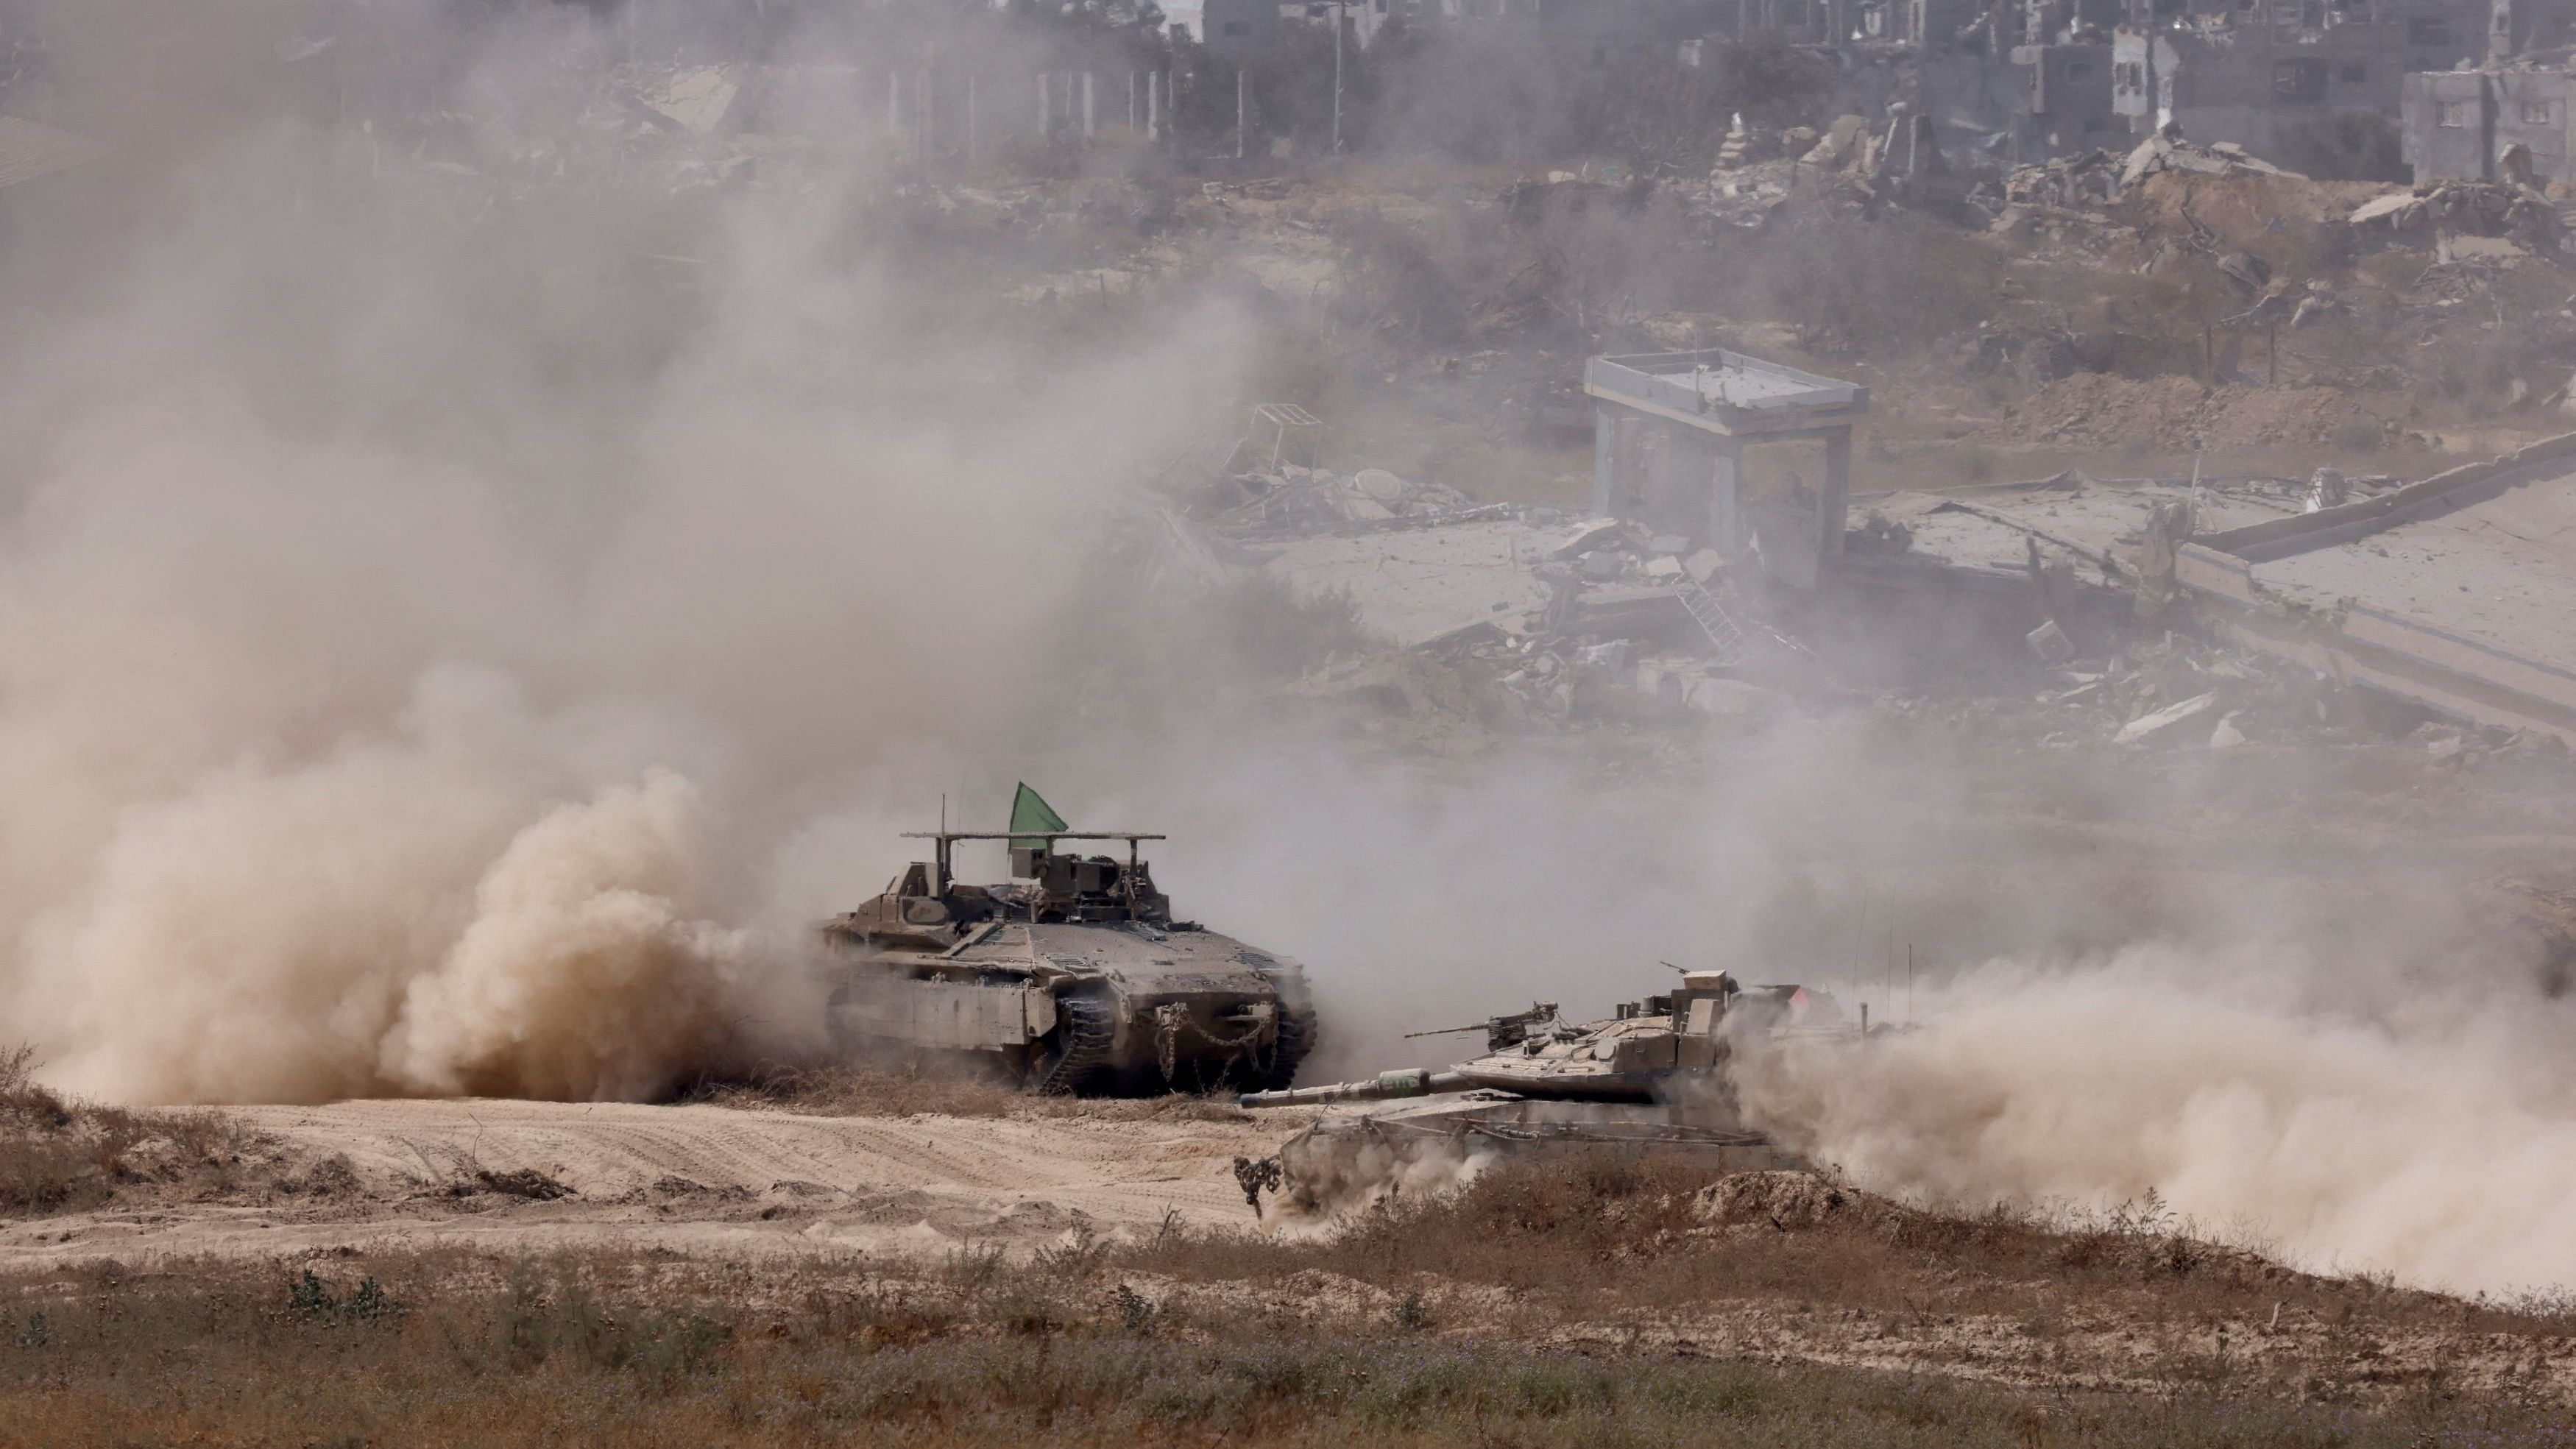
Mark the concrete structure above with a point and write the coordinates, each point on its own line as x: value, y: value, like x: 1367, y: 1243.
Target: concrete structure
x: 1234, y: 30
x: 2455, y: 592
x: 2059, y: 98
x: 2253, y: 84
x: 1670, y: 434
x: 2458, y: 123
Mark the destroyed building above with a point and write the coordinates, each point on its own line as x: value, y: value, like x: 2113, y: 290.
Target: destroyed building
x: 2059, y: 101
x: 2448, y: 594
x: 2453, y: 592
x: 2256, y: 82
x: 2466, y: 125
x: 1671, y: 434
x: 1232, y: 30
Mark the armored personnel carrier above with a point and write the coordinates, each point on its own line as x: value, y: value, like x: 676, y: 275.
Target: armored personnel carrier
x: 1650, y: 1079
x: 1074, y: 976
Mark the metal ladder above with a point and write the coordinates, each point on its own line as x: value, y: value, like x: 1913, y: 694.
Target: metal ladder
x: 1714, y: 621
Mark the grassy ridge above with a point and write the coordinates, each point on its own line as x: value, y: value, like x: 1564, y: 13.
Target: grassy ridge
x: 546, y: 1355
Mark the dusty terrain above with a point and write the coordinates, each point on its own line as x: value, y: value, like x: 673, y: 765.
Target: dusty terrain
x: 535, y: 1177
x: 1534, y: 1305
x: 736, y: 474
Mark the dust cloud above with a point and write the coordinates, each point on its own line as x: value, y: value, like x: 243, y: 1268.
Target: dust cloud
x: 453, y: 638
x: 2432, y: 1137
x: 431, y: 610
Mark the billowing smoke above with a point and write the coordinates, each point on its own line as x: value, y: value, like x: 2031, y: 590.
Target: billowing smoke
x: 467, y: 598
x: 2432, y: 1137
x: 445, y: 575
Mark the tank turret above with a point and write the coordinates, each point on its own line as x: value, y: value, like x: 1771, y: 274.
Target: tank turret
x: 1650, y: 1078
x: 1074, y: 975
x: 1638, y: 1055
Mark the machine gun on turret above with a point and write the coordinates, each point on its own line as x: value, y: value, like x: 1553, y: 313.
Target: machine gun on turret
x: 1500, y: 1031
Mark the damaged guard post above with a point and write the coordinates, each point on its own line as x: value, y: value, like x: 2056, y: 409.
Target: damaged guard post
x: 1670, y: 434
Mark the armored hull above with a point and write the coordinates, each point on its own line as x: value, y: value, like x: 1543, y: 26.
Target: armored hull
x: 1350, y: 1158
x: 1078, y: 980
x: 1650, y: 1081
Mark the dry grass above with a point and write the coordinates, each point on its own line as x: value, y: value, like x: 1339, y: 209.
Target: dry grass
x: 60, y: 1154
x: 1610, y: 1235
x: 440, y: 1349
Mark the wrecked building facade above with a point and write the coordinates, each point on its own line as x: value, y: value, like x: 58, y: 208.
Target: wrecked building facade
x: 2463, y: 125
x: 2256, y: 84
x: 1671, y: 434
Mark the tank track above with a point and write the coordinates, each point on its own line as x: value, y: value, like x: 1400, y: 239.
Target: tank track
x: 1297, y: 1027
x: 1090, y: 1028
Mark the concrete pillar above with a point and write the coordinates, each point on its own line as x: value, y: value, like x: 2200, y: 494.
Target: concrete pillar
x: 1833, y: 500
x: 1046, y: 107
x: 1690, y: 464
x: 1605, y: 459
x: 1726, y: 498
x: 1090, y: 112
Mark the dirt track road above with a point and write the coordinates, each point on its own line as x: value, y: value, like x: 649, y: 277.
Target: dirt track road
x: 698, y: 1180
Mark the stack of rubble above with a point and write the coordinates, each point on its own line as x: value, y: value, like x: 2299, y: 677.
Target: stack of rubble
x: 2176, y: 692
x: 1593, y: 619
x: 1297, y: 500
x: 2166, y: 150
x: 2440, y: 213
x: 1637, y: 623
x: 2074, y: 183
x: 1743, y: 146
x: 1847, y: 165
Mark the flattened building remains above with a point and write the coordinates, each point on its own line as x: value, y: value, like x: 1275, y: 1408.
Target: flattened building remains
x: 2506, y: 120
x: 2018, y: 81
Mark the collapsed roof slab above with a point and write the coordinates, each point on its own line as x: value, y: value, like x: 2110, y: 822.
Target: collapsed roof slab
x: 1417, y: 587
x: 2458, y: 592
x: 1982, y: 535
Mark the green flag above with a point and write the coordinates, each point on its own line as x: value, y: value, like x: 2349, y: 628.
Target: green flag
x: 1028, y: 812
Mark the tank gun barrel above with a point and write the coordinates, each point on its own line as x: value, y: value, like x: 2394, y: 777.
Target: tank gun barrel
x: 1411, y: 1082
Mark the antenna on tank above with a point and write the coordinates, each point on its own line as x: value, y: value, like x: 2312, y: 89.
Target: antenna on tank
x: 1860, y: 948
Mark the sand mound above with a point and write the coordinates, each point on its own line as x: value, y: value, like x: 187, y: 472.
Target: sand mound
x: 1790, y: 1200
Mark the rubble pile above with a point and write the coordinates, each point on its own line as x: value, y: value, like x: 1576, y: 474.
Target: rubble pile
x: 1634, y: 620
x: 1848, y: 167
x: 2165, y: 692
x: 2092, y: 179
x: 1748, y: 197
x: 2100, y: 409
x: 1293, y: 500
x: 1570, y: 621
x: 2439, y: 213
x: 2166, y: 150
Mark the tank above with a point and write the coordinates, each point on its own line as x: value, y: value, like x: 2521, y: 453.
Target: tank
x: 1073, y: 977
x: 1650, y: 1080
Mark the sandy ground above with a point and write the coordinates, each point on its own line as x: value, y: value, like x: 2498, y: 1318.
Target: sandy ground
x: 696, y: 1180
